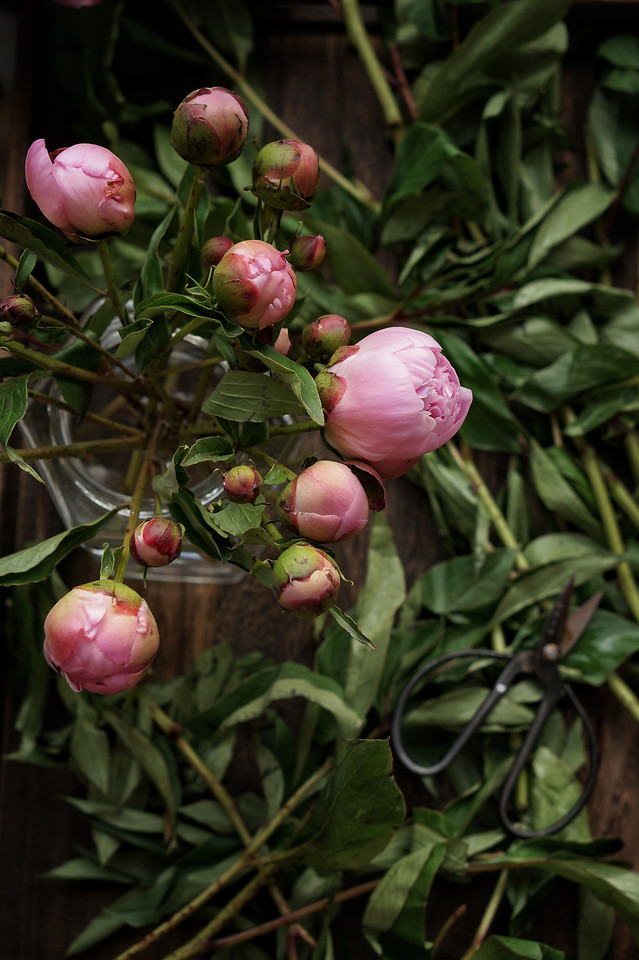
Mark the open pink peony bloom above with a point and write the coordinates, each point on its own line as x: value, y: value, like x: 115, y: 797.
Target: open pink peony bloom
x: 254, y: 284
x: 84, y: 190
x: 325, y: 503
x: 101, y: 637
x: 392, y: 398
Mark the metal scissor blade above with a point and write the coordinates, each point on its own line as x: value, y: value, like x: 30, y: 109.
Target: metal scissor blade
x: 577, y: 622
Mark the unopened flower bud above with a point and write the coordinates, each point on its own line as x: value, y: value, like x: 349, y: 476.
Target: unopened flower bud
x: 254, y: 284
x: 242, y: 484
x: 307, y: 253
x: 19, y: 311
x: 322, y: 337
x: 326, y: 502
x: 210, y: 127
x: 286, y: 174
x: 85, y: 190
x: 305, y: 581
x: 213, y: 251
x: 156, y: 542
x: 101, y: 637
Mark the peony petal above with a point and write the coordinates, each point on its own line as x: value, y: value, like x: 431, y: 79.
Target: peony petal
x: 43, y: 185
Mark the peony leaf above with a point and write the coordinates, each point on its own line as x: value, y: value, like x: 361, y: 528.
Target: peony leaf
x: 45, y: 243
x: 359, y: 810
x: 242, y: 395
x: 37, y: 562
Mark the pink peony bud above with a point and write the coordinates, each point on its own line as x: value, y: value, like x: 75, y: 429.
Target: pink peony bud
x: 307, y: 252
x: 254, y: 284
x: 283, y: 342
x: 156, y: 542
x: 305, y: 582
x: 322, y: 337
x: 391, y: 399
x: 210, y: 127
x: 101, y: 637
x: 213, y: 251
x: 84, y: 190
x: 325, y: 503
x: 242, y: 484
x: 19, y: 311
x: 286, y: 174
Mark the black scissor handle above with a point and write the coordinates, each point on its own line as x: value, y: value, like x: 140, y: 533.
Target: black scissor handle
x: 500, y: 687
x: 498, y: 690
x: 523, y: 756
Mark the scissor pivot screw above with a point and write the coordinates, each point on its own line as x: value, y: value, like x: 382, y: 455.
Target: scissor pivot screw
x: 551, y: 653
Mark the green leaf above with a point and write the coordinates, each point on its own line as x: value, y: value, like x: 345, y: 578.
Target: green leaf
x: 575, y: 209
x: 296, y: 377
x: 236, y: 519
x: 25, y: 266
x: 557, y: 494
x: 148, y: 756
x: 622, y: 50
x: 208, y: 450
x: 13, y: 405
x: 252, y: 696
x: 90, y: 748
x: 505, y: 27
x: 575, y: 372
x: 379, y: 599
x: 395, y: 913
x: 358, y: 811
x: 242, y: 395
x: 355, y: 268
x: 45, y: 243
x: 455, y: 585
x: 605, y: 644
x: 37, y: 562
x: 83, y: 869
x: 489, y: 424
x: 512, y: 948
x: 350, y: 625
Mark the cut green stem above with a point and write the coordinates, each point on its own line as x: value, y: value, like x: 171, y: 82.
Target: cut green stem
x: 185, y: 233
x: 113, y: 291
x: 360, y: 39
x: 488, y: 917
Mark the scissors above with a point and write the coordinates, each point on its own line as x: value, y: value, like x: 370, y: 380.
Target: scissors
x: 559, y: 635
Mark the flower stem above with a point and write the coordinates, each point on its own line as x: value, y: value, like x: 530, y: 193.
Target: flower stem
x: 627, y: 583
x: 623, y: 497
x: 488, y: 917
x: 136, y: 502
x: 226, y: 801
x: 356, y: 190
x: 113, y: 290
x: 41, y: 290
x: 231, y: 872
x: 201, y: 942
x: 60, y: 368
x: 632, y: 450
x: 84, y: 448
x: 100, y: 421
x: 360, y: 39
x: 292, y: 917
x: 271, y: 461
x: 185, y: 233
x: 489, y: 503
x: 80, y: 335
x: 624, y: 694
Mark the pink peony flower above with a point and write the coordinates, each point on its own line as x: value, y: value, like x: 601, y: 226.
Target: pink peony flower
x: 156, y: 542
x: 392, y: 398
x: 101, y: 637
x: 305, y: 581
x: 84, y: 190
x: 210, y: 127
x: 325, y: 503
x: 254, y: 284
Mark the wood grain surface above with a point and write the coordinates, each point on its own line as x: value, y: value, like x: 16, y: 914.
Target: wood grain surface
x: 315, y: 81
